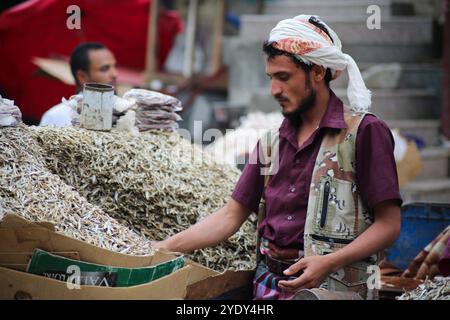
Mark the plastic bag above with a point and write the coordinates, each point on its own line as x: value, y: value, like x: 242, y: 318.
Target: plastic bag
x: 10, y: 115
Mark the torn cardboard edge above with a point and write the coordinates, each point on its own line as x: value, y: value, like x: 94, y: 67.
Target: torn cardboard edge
x: 19, y: 236
x: 20, y: 285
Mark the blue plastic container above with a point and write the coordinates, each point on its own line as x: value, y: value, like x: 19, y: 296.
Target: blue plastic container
x: 421, y: 224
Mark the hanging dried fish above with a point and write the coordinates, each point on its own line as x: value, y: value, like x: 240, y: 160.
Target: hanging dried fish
x: 158, y: 183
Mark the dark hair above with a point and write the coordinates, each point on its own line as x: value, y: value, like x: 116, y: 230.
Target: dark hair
x: 271, y: 52
x: 79, y: 59
x: 313, y: 20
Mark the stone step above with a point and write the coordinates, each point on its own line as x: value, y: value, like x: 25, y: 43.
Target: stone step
x: 246, y: 63
x: 427, y: 130
x: 412, y: 76
x: 376, y: 53
x: 351, y: 30
x: 328, y: 9
x: 436, y: 162
x: 421, y: 76
x: 432, y: 190
x: 386, y: 104
x: 401, y: 103
x: 247, y: 70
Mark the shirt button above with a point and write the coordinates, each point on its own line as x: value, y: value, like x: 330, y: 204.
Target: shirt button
x: 289, y: 218
x: 297, y: 161
x: 292, y: 189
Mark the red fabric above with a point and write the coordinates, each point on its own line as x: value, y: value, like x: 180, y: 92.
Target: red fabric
x: 37, y: 28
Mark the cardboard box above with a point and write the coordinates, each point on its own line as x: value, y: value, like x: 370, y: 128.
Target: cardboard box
x: 20, y: 285
x: 207, y: 284
x: 55, y: 266
x: 18, y: 239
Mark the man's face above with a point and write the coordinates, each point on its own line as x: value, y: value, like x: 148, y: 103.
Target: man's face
x: 290, y: 85
x: 102, y: 67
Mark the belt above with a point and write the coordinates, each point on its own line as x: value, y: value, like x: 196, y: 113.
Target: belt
x: 277, y: 266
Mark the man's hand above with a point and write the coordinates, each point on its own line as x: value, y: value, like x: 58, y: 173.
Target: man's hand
x: 381, y: 234
x: 158, y: 244
x: 315, y: 270
x: 208, y: 232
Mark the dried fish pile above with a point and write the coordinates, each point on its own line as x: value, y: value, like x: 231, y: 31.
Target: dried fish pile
x: 29, y: 189
x: 436, y: 289
x: 157, y: 182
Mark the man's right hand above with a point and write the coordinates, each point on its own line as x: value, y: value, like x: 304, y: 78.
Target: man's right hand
x: 157, y: 244
x: 209, y: 231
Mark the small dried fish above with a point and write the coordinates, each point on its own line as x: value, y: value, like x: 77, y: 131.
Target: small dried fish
x: 154, y: 183
x: 436, y: 289
x: 29, y: 189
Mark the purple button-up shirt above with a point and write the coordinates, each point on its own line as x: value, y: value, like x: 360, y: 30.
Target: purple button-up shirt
x: 288, y: 191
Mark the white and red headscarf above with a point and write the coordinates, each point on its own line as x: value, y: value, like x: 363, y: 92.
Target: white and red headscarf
x: 311, y: 44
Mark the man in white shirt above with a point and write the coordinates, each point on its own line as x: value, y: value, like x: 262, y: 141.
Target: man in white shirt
x: 89, y: 62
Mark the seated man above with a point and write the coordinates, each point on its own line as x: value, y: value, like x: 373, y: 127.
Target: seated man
x: 89, y: 62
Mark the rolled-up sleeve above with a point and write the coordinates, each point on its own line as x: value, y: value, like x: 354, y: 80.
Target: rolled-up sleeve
x: 249, y: 189
x: 376, y: 170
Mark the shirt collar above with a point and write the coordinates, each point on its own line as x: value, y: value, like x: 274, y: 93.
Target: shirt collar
x: 333, y: 118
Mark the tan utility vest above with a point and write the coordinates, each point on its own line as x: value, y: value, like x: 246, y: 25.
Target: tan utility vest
x: 336, y: 214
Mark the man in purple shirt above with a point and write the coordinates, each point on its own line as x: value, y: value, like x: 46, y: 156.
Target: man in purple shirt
x: 300, y: 69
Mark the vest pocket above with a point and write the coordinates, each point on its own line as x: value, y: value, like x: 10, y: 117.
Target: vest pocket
x: 335, y: 209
